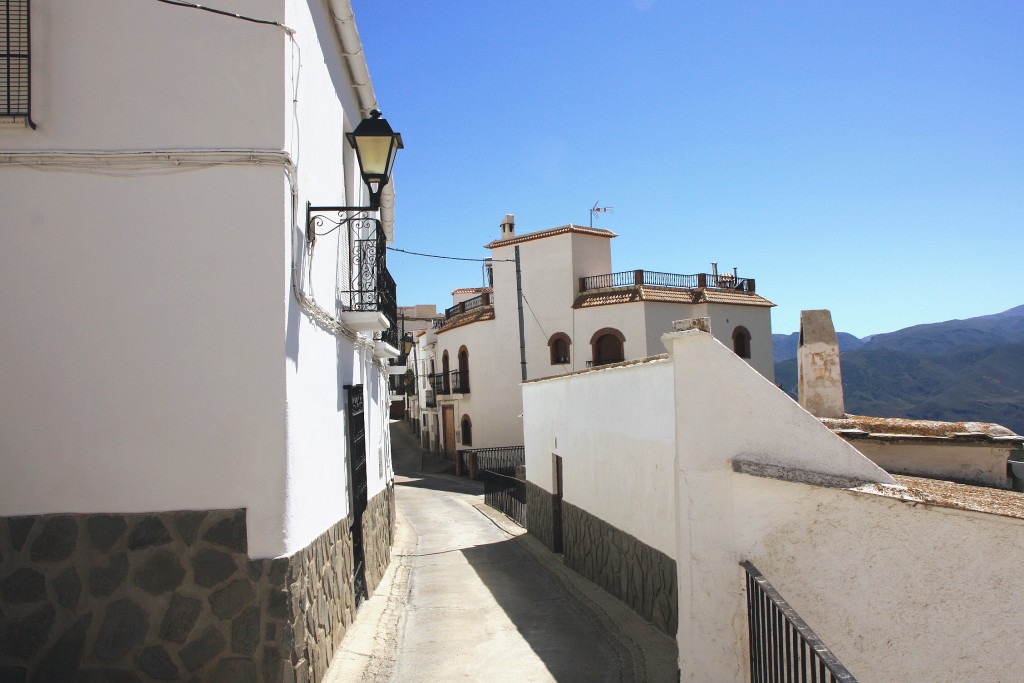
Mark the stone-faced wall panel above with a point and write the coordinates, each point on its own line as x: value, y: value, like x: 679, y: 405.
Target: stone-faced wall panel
x: 641, y: 576
x: 538, y: 514
x: 174, y: 596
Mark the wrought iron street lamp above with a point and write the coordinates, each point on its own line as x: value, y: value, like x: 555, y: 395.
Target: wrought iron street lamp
x: 375, y: 145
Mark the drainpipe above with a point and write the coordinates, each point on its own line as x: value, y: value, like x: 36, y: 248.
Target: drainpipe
x: 359, y: 75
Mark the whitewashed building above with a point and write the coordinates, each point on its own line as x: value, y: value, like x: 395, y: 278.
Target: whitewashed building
x: 195, y: 471
x: 577, y: 313
x: 687, y: 507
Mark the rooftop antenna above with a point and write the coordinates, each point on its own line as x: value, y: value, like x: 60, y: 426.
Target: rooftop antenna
x: 598, y: 209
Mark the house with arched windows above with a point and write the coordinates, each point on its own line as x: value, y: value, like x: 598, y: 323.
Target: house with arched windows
x: 578, y: 314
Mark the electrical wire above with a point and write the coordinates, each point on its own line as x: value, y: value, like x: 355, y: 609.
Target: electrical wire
x: 453, y: 258
x: 192, y: 5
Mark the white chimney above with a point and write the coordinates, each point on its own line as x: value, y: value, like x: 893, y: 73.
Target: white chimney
x: 508, y: 227
x: 820, y: 383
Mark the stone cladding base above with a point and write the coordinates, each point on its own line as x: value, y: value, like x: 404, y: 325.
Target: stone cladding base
x: 637, y: 574
x: 174, y: 596
x: 538, y: 514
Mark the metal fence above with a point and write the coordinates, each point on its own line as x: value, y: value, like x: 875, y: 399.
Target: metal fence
x: 783, y: 648
x: 496, y: 468
x: 652, y: 278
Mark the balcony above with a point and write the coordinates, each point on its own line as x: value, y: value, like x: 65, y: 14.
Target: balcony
x: 459, y: 381
x: 438, y: 381
x: 468, y: 305
x: 650, y: 278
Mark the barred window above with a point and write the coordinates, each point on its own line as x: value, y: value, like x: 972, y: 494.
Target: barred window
x: 15, y: 99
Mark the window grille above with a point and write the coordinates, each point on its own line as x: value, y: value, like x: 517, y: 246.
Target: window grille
x: 15, y: 62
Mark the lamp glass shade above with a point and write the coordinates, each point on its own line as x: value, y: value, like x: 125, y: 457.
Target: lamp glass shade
x: 375, y: 144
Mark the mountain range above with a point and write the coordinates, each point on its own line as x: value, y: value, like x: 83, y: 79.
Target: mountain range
x: 969, y: 369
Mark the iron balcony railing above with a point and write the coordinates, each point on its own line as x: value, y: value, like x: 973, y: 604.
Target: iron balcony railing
x: 15, y: 61
x: 440, y: 385
x: 371, y: 287
x: 468, y: 305
x: 459, y: 381
x: 782, y: 646
x: 635, y: 278
x: 431, y: 399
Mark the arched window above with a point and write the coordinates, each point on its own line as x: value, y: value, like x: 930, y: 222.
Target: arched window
x: 462, y: 378
x: 606, y: 346
x: 741, y: 342
x: 445, y: 374
x: 559, y: 347
x: 467, y: 431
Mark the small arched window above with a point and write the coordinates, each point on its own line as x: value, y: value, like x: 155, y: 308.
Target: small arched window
x: 467, y: 431
x: 559, y: 347
x: 607, y: 346
x: 741, y: 342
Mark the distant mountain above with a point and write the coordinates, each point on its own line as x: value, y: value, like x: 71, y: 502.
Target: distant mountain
x: 956, y: 370
x: 785, y: 345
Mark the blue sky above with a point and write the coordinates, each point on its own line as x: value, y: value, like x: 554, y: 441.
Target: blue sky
x: 866, y: 157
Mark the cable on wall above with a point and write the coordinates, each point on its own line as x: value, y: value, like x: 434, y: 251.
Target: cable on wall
x: 214, y: 10
x: 452, y: 258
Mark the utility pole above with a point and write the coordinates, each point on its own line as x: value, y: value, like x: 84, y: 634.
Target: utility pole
x: 522, y: 330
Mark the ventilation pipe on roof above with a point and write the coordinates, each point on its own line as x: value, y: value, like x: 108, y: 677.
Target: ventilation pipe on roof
x: 359, y: 76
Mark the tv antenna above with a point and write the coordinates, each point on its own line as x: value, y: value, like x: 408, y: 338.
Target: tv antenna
x: 598, y: 209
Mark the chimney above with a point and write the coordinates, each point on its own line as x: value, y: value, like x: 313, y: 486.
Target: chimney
x: 508, y: 227
x: 820, y: 384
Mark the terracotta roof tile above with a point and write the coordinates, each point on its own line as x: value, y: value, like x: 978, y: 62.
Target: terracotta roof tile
x: 892, y: 428
x: 470, y: 316
x: 964, y: 497
x: 472, y: 290
x: 551, y: 232
x: 723, y: 296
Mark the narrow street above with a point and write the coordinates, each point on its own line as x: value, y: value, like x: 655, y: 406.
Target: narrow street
x: 470, y: 596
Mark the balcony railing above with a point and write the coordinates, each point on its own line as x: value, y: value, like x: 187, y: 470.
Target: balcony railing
x: 782, y: 646
x: 371, y: 287
x: 431, y: 399
x: 635, y: 278
x: 438, y: 382
x: 468, y: 305
x: 459, y: 381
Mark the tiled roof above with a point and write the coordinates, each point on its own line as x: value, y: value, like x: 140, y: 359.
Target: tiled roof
x: 898, y: 428
x: 472, y: 290
x: 625, y: 295
x: 964, y: 497
x: 470, y: 316
x: 551, y: 232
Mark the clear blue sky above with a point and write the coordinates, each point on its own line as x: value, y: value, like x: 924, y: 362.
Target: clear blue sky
x: 866, y: 157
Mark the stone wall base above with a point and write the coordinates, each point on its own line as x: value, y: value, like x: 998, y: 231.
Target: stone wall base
x: 538, y: 514
x: 637, y: 574
x: 174, y: 596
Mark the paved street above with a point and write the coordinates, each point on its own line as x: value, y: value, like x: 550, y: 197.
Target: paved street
x: 469, y: 596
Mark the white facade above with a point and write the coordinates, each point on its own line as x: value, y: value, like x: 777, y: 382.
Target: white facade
x: 553, y: 263
x: 900, y: 584
x: 155, y: 355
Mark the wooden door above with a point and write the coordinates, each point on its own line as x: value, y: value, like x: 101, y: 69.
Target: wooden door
x: 448, y: 413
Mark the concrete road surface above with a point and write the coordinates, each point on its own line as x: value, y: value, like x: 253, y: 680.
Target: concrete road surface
x: 470, y: 597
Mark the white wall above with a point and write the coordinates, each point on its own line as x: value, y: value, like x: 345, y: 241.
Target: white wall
x: 898, y: 590
x: 142, y: 344
x: 978, y: 463
x: 159, y: 357
x: 119, y: 75
x: 614, y: 430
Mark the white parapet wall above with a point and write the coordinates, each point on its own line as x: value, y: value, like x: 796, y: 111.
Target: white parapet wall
x: 899, y: 590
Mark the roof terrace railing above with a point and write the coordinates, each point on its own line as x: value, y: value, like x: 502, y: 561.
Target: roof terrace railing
x: 468, y: 305
x: 652, y: 278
